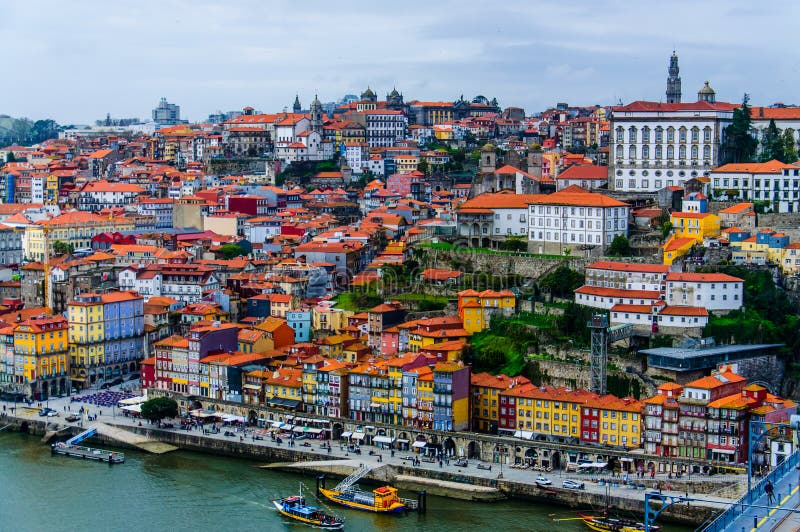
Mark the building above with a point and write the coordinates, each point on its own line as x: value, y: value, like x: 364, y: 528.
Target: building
x: 106, y: 336
x: 586, y: 176
x: 95, y: 196
x: 773, y: 182
x: 75, y: 228
x: 166, y: 114
x: 41, y: 345
x: 656, y: 145
x: 477, y: 308
x: 485, y: 392
x: 451, y: 386
x: 712, y: 291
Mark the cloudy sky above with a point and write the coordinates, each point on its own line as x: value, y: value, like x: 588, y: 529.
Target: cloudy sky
x: 76, y: 61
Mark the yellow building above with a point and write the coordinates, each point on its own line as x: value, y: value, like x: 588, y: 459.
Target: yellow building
x: 484, y: 391
x: 544, y: 410
x: 451, y: 396
x: 406, y: 163
x: 284, y: 388
x: 476, y: 308
x: 333, y: 346
x: 42, y: 342
x: 677, y: 247
x: 619, y: 420
x: 696, y: 225
x: 86, y: 333
x: 74, y: 227
x: 253, y: 341
x: 327, y: 318
x: 420, y: 338
x: 424, y: 417
x: 790, y: 259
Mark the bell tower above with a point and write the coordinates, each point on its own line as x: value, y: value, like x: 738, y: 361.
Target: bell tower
x: 316, y: 115
x: 674, y: 80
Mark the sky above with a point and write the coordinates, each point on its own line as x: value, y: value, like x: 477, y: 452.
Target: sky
x: 76, y: 61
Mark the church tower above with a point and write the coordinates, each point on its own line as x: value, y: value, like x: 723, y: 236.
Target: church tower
x: 316, y: 115
x: 296, y: 108
x: 674, y: 80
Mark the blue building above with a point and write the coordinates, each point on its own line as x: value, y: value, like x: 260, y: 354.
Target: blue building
x: 300, y: 321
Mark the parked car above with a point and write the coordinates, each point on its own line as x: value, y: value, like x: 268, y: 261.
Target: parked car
x: 43, y: 412
x: 573, y: 484
x: 543, y: 481
x: 72, y: 417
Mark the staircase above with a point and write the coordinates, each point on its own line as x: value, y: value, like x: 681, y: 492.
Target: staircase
x: 354, y: 477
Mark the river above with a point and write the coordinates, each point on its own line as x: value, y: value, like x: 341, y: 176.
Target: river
x: 190, y: 491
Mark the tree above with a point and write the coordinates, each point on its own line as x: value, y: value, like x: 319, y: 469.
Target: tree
x: 772, y: 144
x: 62, y: 248
x: 789, y: 146
x: 739, y: 145
x: 230, y: 251
x: 159, y: 408
x: 11, y: 158
x: 423, y: 166
x: 562, y: 281
x: 620, y: 247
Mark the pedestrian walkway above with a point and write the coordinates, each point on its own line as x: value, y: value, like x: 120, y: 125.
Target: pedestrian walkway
x: 759, y: 511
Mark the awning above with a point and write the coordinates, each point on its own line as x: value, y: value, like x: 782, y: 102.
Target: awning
x: 132, y: 408
x: 723, y: 451
x: 359, y: 436
x: 230, y: 418
x: 419, y: 444
x: 401, y: 440
x: 374, y: 405
x: 312, y: 430
x: 298, y: 429
x: 251, y: 387
x: 591, y: 465
x: 524, y: 434
x: 382, y: 439
x: 277, y: 424
x: 369, y: 427
x: 346, y: 434
x: 132, y: 401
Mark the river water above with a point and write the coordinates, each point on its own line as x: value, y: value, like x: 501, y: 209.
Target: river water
x: 189, y: 491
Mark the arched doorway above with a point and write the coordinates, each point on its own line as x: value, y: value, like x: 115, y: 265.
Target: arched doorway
x: 252, y: 417
x: 474, y: 450
x: 449, y: 447
x: 197, y: 405
x: 336, y: 431
x: 531, y: 456
x: 555, y: 460
x: 402, y: 441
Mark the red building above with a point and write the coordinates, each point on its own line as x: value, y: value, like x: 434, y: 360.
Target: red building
x: 252, y: 205
x: 147, y: 369
x: 106, y: 240
x: 590, y: 425
x: 507, y: 415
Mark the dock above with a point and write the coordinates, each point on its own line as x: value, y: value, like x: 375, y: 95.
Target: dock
x: 72, y: 449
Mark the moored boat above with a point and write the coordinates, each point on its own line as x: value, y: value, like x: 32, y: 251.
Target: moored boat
x: 295, y: 507
x: 379, y: 500
x: 613, y: 524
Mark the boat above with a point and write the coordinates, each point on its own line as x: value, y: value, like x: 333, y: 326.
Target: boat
x: 295, y: 507
x: 613, y: 524
x: 380, y: 500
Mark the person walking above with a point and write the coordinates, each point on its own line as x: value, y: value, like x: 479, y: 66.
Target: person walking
x: 769, y: 490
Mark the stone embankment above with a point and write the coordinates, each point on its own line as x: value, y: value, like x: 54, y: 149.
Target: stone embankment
x: 466, y: 483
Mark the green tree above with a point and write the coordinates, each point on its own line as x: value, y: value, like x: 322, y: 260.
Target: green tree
x: 230, y: 251
x: 423, y: 166
x: 772, y: 144
x: 739, y: 145
x: 562, y: 281
x: 159, y: 408
x: 789, y: 146
x: 11, y: 158
x: 666, y: 229
x: 620, y: 247
x: 62, y: 248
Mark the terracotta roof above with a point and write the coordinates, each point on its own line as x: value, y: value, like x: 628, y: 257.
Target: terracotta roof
x: 737, y: 209
x: 678, y: 310
x: 618, y: 292
x: 770, y: 167
x: 715, y: 381
x: 653, y: 107
x: 703, y: 277
x: 678, y: 243
x: 628, y: 267
x: 584, y: 172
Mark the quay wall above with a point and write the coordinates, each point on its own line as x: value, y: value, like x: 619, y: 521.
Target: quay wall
x: 693, y: 515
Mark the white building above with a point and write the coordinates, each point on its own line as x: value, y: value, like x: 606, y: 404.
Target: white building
x: 627, y: 276
x: 660, y: 314
x: 773, y: 181
x: 98, y: 195
x: 606, y: 298
x: 712, y: 291
x: 574, y: 218
x: 385, y: 127
x: 357, y: 155
x: 655, y: 145
x: 494, y: 215
x: 784, y: 117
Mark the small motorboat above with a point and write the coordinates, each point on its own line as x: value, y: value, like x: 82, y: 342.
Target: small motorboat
x: 295, y: 507
x: 613, y: 524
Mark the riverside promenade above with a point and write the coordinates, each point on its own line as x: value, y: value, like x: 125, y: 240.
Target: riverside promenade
x: 445, y: 478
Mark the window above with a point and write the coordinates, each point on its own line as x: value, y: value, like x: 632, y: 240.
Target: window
x: 632, y: 135
x: 670, y: 134
x: 670, y: 151
x: 632, y: 152
x: 659, y: 134
x: 659, y: 151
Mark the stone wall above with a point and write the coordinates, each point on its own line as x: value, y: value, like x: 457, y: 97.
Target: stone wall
x: 528, y: 266
x: 238, y: 166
